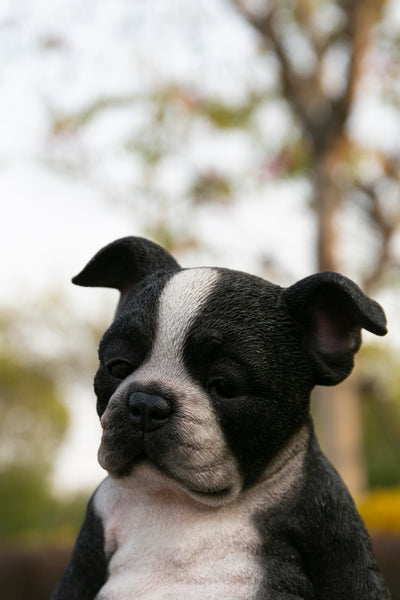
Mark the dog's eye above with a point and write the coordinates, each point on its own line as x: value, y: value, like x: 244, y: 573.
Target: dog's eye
x: 223, y: 388
x: 119, y: 368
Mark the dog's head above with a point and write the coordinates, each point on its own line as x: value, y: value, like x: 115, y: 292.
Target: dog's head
x: 206, y: 373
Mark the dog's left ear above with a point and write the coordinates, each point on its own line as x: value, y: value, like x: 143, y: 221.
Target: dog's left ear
x: 331, y: 310
x: 124, y: 263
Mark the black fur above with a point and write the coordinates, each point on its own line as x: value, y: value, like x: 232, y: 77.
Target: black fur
x: 251, y: 349
x: 125, y: 263
x: 331, y: 310
x: 318, y: 542
x: 87, y: 569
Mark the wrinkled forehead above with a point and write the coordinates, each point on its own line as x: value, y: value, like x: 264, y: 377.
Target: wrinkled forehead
x: 213, y: 291
x: 185, y: 294
x: 181, y: 301
x: 166, y: 304
x: 200, y: 301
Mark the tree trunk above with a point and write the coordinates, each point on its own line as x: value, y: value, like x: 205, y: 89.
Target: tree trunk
x: 323, y: 119
x: 337, y: 413
x: 337, y: 410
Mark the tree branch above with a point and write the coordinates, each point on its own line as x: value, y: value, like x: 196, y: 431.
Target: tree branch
x: 362, y: 17
x: 323, y: 119
x: 295, y: 88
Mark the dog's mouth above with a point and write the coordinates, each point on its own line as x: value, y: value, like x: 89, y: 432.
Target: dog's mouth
x: 126, y: 468
x: 117, y: 454
x: 208, y: 493
x: 121, y: 452
x: 183, y: 453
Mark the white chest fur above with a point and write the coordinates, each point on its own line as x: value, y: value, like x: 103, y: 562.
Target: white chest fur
x: 166, y: 546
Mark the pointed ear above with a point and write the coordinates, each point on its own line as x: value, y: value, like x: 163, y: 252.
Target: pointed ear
x: 123, y: 264
x: 331, y: 310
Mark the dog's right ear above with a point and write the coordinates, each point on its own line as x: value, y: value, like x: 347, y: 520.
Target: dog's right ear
x: 331, y: 311
x: 123, y: 264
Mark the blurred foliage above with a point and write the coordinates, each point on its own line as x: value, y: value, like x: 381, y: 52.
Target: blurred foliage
x: 211, y: 186
x: 41, y: 337
x: 33, y: 417
x: 29, y: 511
x: 33, y: 421
x: 228, y: 116
x: 380, y: 510
x: 382, y: 455
x: 68, y: 124
x: 379, y: 380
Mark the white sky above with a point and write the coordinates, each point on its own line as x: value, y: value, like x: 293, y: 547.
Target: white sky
x: 54, y: 219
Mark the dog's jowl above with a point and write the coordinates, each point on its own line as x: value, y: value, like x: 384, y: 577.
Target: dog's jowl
x: 216, y: 486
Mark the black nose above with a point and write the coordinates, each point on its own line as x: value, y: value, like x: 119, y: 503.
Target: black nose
x: 148, y: 412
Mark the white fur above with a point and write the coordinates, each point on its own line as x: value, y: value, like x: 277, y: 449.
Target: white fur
x: 163, y: 545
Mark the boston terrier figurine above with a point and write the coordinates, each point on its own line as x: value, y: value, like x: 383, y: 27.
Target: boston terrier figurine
x: 217, y: 488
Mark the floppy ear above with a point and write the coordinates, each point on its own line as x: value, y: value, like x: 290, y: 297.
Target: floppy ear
x: 331, y: 310
x: 123, y: 264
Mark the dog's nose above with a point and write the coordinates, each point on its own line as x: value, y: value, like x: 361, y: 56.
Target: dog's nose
x: 148, y: 412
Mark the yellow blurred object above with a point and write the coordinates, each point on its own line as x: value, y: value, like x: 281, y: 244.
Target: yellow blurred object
x: 380, y: 510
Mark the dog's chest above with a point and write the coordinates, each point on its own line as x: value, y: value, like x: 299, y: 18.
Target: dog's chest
x: 165, y: 547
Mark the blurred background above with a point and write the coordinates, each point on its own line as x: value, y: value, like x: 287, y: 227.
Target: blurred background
x: 254, y: 134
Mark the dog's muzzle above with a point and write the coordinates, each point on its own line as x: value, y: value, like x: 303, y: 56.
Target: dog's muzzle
x: 147, y: 411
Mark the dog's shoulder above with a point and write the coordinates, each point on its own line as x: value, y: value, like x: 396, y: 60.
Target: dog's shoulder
x: 321, y: 524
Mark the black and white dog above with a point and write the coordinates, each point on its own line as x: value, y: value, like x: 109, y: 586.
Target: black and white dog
x: 217, y: 488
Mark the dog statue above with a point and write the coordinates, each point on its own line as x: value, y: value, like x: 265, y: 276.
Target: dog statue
x: 217, y: 488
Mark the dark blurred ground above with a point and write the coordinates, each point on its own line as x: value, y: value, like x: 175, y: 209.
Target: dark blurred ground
x: 30, y: 574
x: 387, y: 551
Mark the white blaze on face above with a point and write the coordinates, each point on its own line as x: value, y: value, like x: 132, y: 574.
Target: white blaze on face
x: 200, y: 459
x: 180, y: 302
